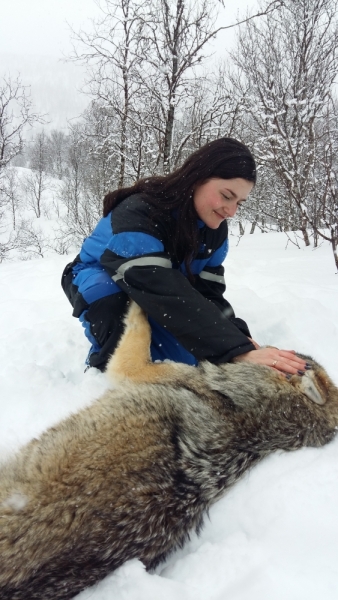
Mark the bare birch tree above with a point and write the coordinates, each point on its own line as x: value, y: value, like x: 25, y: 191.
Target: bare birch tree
x: 12, y: 193
x: 35, y: 183
x: 141, y: 59
x: 16, y: 113
x: 176, y: 35
x: 324, y: 214
x: 57, y: 146
x: 112, y: 52
x: 288, y: 64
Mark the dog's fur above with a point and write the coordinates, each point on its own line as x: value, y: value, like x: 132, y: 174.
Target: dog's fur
x: 132, y: 474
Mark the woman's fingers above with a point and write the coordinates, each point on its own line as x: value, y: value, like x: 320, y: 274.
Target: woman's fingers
x: 285, y: 361
x: 290, y: 362
x: 286, y: 367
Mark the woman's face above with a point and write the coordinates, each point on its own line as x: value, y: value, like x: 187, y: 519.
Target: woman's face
x: 218, y: 199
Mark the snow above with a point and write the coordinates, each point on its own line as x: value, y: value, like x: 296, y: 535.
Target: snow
x: 274, y: 535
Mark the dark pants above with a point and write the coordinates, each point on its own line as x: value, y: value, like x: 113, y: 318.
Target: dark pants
x: 102, y: 319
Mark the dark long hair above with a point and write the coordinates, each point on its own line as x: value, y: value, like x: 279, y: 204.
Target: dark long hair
x: 224, y: 158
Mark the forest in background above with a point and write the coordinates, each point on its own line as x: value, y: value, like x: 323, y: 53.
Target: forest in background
x: 153, y: 99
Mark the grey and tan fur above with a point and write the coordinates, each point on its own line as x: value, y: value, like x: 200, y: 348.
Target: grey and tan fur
x: 132, y: 474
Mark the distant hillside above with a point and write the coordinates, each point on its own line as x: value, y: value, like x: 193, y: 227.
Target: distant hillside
x: 55, y: 85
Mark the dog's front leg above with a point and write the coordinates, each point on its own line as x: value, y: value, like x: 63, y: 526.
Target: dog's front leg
x: 131, y: 359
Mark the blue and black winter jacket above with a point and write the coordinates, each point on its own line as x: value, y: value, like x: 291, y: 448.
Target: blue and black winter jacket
x: 128, y: 254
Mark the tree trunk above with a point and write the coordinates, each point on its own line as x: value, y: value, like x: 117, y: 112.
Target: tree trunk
x: 305, y: 235
x: 315, y: 237
x: 122, y: 151
x: 168, y: 138
x: 253, y: 226
x: 123, y: 138
x: 334, y: 245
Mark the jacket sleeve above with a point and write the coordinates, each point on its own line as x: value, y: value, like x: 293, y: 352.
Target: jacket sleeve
x: 211, y: 284
x: 137, y: 261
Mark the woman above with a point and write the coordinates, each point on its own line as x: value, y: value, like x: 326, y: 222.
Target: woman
x: 162, y: 243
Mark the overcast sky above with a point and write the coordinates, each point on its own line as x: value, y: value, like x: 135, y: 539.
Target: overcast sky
x: 35, y: 36
x: 39, y: 27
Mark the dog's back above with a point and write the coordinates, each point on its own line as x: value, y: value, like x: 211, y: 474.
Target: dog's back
x: 130, y: 475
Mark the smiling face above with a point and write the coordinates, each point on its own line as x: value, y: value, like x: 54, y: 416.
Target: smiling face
x: 218, y: 199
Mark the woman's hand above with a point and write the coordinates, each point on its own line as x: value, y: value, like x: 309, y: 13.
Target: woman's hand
x: 285, y: 361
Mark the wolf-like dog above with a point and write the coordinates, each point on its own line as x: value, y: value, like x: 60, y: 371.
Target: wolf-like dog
x: 132, y: 474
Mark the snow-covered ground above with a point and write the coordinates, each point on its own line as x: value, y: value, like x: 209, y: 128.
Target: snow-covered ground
x: 274, y: 535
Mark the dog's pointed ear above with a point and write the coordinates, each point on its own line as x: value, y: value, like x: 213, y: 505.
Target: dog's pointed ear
x: 309, y: 388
